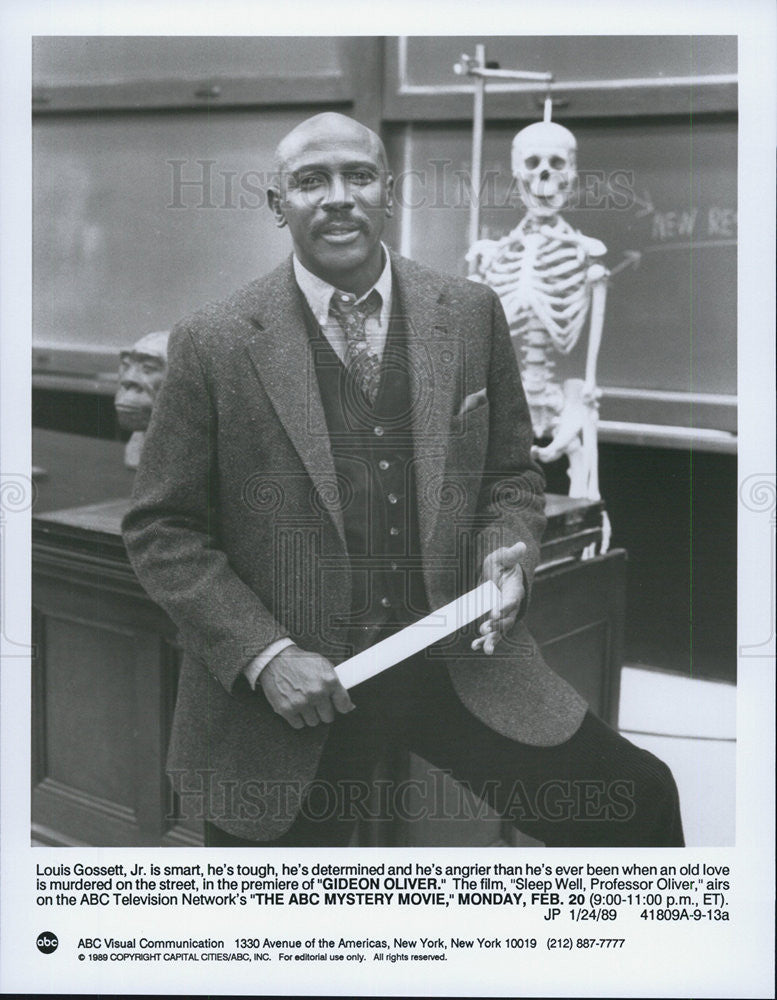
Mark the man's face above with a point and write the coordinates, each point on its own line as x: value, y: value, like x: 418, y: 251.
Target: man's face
x: 334, y: 195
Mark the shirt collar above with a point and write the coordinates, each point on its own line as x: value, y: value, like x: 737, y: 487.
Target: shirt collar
x: 318, y: 293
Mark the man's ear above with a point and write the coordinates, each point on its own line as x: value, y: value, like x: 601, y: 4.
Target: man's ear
x: 389, y: 195
x: 275, y: 204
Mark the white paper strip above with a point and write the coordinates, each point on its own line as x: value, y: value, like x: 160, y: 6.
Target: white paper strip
x: 419, y: 635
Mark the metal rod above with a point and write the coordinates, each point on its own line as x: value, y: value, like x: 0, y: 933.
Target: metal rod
x: 509, y: 74
x: 476, y: 67
x: 477, y: 146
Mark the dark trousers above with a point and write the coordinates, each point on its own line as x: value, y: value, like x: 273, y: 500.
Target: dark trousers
x: 595, y: 790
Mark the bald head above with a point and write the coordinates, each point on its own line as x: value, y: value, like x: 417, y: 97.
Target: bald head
x: 327, y: 129
x: 334, y: 191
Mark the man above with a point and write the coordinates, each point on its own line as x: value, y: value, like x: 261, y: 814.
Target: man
x: 340, y: 448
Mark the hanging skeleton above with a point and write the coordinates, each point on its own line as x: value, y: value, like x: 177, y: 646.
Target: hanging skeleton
x: 546, y: 275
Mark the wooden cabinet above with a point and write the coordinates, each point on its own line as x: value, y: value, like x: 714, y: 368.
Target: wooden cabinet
x: 105, y: 673
x: 104, y: 683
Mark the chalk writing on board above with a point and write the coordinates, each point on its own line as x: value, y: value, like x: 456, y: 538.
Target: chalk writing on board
x: 715, y: 226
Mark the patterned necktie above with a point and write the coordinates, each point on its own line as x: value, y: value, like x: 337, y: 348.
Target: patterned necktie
x: 360, y: 359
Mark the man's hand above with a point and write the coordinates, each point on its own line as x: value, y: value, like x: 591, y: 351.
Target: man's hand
x: 504, y: 569
x: 303, y: 688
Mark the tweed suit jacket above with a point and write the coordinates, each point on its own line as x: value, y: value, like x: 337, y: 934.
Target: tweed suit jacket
x: 236, y: 526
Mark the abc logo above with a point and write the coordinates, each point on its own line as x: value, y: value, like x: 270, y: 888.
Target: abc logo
x: 47, y: 942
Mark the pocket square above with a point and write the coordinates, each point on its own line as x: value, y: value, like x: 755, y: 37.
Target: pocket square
x: 472, y: 402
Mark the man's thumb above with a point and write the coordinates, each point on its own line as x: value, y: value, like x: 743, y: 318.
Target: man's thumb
x: 511, y: 556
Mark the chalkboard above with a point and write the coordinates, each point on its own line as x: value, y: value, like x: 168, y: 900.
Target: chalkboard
x: 429, y: 60
x: 661, y: 195
x: 593, y: 75
x: 138, y: 219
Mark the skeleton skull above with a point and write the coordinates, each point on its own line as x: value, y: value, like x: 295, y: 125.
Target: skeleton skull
x: 544, y: 162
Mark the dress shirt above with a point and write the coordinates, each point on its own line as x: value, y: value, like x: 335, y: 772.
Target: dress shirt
x: 318, y: 294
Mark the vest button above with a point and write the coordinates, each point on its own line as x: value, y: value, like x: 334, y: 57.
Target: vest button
x: 383, y: 465
x: 378, y: 431
x: 385, y: 602
x: 394, y: 531
x: 394, y: 565
x: 393, y: 498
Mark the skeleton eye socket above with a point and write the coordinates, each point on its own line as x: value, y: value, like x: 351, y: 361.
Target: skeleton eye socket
x: 558, y: 162
x: 531, y: 162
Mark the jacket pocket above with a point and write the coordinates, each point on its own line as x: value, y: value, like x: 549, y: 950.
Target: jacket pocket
x: 472, y: 422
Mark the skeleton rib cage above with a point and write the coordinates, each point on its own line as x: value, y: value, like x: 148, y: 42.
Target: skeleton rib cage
x: 543, y: 278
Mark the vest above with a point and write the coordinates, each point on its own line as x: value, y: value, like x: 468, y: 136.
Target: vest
x: 372, y: 449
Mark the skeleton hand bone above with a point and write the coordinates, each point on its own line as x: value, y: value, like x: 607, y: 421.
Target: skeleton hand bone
x: 573, y: 418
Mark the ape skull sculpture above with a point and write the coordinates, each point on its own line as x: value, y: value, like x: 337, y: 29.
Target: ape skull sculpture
x: 546, y: 275
x: 142, y: 369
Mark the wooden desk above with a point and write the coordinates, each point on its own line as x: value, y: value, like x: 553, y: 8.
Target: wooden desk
x: 75, y: 470
x: 106, y: 663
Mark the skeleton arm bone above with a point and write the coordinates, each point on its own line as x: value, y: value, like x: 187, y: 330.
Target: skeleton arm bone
x: 597, y: 275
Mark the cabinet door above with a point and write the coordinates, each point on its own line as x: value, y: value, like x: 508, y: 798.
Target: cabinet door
x: 104, y: 680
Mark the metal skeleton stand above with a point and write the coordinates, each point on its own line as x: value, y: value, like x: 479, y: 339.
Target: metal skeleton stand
x: 550, y: 284
x: 478, y: 68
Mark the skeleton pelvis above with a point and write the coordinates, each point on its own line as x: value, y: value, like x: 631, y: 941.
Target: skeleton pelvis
x: 576, y: 414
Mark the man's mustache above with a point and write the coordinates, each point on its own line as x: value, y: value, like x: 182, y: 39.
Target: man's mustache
x: 336, y: 223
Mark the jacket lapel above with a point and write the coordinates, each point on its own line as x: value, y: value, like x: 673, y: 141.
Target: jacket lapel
x: 283, y: 361
x: 281, y: 356
x: 435, y: 365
